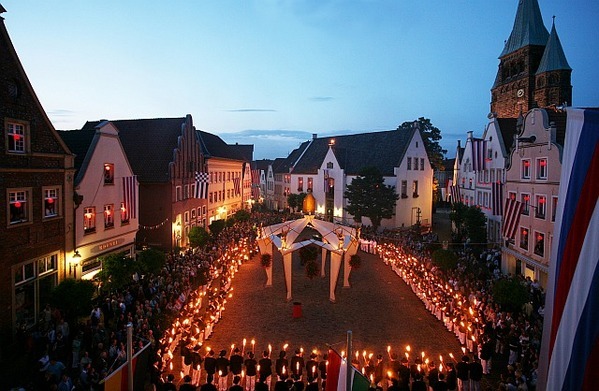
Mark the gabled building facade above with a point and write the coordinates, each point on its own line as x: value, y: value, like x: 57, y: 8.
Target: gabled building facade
x: 329, y: 164
x: 105, y: 195
x: 532, y: 178
x: 164, y: 154
x: 36, y: 188
x: 225, y: 165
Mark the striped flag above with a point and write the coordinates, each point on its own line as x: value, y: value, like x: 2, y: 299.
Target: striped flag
x: 256, y: 184
x: 337, y: 375
x: 511, y: 218
x: 455, y: 194
x: 479, y: 153
x: 570, y: 350
x: 130, y: 195
x: 237, y: 185
x: 202, y: 179
x: 497, y: 198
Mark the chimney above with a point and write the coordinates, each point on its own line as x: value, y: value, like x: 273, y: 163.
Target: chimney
x: 469, y: 134
x: 459, y: 143
x: 314, y: 136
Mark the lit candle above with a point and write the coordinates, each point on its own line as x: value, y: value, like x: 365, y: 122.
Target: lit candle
x: 253, y: 345
x: 285, y: 346
x: 269, y: 349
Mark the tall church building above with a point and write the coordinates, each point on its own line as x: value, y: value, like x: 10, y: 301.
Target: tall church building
x: 533, y: 70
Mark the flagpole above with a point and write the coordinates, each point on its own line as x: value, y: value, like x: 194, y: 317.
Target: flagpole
x: 348, y: 372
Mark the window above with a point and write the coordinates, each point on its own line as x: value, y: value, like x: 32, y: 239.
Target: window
x: 193, y: 190
x: 34, y: 280
x: 310, y: 183
x: 541, y: 202
x: 51, y: 202
x: 178, y: 193
x: 15, y: 137
x: 89, y: 220
x: 186, y: 217
x: 404, y: 189
x: 186, y: 192
x: 542, y: 168
x: 525, y: 204
x: 193, y: 214
x: 228, y: 193
x: 525, y: 168
x: 330, y: 165
x: 421, y: 164
x: 19, y: 206
x: 108, y: 216
x: 415, y: 189
x: 409, y: 163
x: 203, y: 210
x: 300, y: 184
x: 108, y: 174
x: 553, y: 207
x: 470, y: 183
x: 124, y: 214
x: 524, y: 233
x: 512, y: 195
x: 540, y: 244
x: 210, y: 197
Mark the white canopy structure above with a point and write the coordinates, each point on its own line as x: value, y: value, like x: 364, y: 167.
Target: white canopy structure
x: 341, y: 241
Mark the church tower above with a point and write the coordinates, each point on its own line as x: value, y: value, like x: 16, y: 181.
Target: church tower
x: 533, y: 71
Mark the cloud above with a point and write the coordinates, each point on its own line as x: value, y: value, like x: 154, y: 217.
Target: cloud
x: 252, y: 111
x: 321, y: 98
x: 61, y: 113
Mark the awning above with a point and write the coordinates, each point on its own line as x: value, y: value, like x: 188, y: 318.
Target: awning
x: 522, y: 257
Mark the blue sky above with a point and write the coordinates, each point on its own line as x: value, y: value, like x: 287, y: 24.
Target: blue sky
x: 271, y: 73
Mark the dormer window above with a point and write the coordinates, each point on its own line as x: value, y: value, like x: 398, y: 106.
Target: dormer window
x: 108, y: 174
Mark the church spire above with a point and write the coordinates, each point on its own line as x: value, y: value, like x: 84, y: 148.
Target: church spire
x: 553, y: 58
x: 528, y: 28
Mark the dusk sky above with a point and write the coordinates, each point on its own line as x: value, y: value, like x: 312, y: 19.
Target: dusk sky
x: 271, y: 73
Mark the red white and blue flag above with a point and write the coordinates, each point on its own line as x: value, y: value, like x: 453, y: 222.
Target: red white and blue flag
x: 570, y: 350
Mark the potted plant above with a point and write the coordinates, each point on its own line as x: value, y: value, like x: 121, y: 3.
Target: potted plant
x: 266, y: 260
x: 355, y: 261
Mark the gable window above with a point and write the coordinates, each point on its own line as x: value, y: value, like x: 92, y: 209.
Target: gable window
x: 19, y: 206
x: 524, y: 233
x: 310, y: 183
x: 542, y: 168
x: 541, y: 202
x: 193, y: 214
x: 540, y: 244
x: 15, y: 137
x: 404, y: 189
x: 525, y: 168
x: 51, y: 202
x: 210, y: 197
x: 553, y: 207
x: 186, y: 192
x: 409, y: 163
x: 89, y: 220
x: 300, y: 184
x: 108, y: 216
x: 421, y: 164
x: 124, y: 214
x: 415, y: 189
x: 330, y: 165
x: 108, y: 174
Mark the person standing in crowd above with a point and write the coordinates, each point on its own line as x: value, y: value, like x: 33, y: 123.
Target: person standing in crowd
x: 462, y: 373
x: 236, y: 362
x: 187, y: 386
x: 169, y: 385
x: 282, y: 365
x: 265, y: 368
x: 222, y: 366
x: 297, y: 364
x: 322, y: 368
x: 196, y: 365
x: 250, y: 372
x: 210, y: 366
x: 208, y: 386
x: 236, y: 386
x: 476, y: 374
x: 311, y: 368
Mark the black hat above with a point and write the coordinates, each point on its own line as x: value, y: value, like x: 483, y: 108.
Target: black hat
x: 223, y: 352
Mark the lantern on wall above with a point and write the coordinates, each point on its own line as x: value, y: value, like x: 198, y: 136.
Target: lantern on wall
x: 309, y: 204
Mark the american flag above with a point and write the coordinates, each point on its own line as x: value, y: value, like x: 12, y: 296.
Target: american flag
x: 497, y: 198
x: 202, y: 179
x: 570, y: 349
x: 511, y: 218
x: 479, y: 153
x: 130, y: 195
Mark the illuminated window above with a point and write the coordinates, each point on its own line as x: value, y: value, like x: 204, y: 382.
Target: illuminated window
x: 89, y: 220
x: 553, y: 207
x: 108, y: 216
x: 525, y: 168
x: 404, y: 189
x: 124, y: 214
x: 19, y: 206
x: 15, y: 137
x: 310, y: 183
x: 108, y: 173
x: 541, y: 202
x: 525, y: 204
x: 542, y: 168
x: 415, y: 189
x: 300, y: 184
x: 524, y: 234
x: 51, y: 202
x: 540, y: 244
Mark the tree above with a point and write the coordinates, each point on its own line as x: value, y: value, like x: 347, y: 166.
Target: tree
x: 216, y: 227
x: 242, y: 215
x: 430, y: 136
x: 446, y: 260
x: 151, y: 260
x: 293, y: 201
x: 198, y: 237
x: 510, y: 294
x: 457, y: 217
x: 117, y: 271
x: 368, y: 196
x: 74, y: 297
x: 476, y: 225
